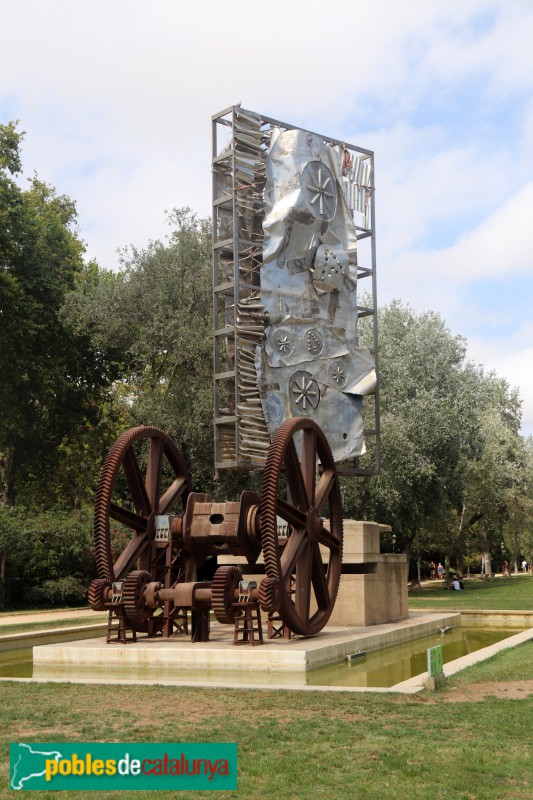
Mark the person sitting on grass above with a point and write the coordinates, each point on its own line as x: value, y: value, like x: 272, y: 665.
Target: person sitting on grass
x: 453, y: 582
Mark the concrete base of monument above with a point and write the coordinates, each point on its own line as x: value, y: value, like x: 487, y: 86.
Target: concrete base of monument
x: 370, y: 614
x: 219, y: 661
x: 373, y: 585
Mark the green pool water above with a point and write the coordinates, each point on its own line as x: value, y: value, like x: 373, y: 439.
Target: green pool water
x: 383, y: 668
x: 395, y: 664
x: 16, y: 663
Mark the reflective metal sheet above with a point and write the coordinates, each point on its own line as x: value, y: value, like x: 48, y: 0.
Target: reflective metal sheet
x: 311, y: 363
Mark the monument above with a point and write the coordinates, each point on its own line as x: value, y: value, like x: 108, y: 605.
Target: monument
x: 293, y: 236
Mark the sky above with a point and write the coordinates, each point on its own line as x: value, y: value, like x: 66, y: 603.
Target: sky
x: 116, y: 99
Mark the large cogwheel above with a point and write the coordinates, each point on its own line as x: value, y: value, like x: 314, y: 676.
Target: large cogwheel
x: 301, y: 487
x: 98, y: 593
x: 156, y: 486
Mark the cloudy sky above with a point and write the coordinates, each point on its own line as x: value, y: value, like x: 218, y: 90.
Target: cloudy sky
x: 116, y: 99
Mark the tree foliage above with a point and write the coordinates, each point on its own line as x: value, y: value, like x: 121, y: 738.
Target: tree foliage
x: 157, y: 311
x: 45, y: 546
x: 52, y: 378
x: 450, y: 443
x: 86, y: 353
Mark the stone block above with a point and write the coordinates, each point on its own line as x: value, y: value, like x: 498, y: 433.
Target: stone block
x: 435, y: 682
x: 375, y: 592
x: 361, y: 541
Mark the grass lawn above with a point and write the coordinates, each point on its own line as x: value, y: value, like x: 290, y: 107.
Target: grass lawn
x: 22, y: 611
x: 501, y: 593
x: 27, y: 627
x: 298, y: 745
x: 515, y: 664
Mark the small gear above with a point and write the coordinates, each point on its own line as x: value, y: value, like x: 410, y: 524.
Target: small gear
x: 225, y: 581
x: 338, y: 374
x: 97, y: 593
x: 135, y: 606
x: 284, y: 343
x: 269, y: 596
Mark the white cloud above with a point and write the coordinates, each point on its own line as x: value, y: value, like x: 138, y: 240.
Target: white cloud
x: 511, y: 359
x: 117, y: 99
x: 502, y: 242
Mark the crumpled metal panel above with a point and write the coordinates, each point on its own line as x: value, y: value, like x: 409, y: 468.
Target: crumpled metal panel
x: 311, y: 362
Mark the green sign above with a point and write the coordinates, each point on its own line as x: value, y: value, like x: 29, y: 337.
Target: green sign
x: 434, y: 661
x: 100, y: 766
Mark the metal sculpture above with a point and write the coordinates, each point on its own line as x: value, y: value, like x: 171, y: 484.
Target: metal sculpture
x: 287, y: 361
x: 296, y: 523
x: 293, y: 237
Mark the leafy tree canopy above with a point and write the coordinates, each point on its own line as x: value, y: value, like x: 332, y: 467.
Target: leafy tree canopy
x: 52, y: 378
x: 450, y: 438
x: 158, y: 312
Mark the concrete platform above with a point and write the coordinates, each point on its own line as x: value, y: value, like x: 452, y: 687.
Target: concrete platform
x: 178, y: 661
x: 22, y: 641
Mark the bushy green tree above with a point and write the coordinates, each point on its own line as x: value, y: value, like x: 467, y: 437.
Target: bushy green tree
x: 449, y: 443
x: 52, y: 378
x: 158, y: 312
x: 52, y: 546
x: 424, y: 414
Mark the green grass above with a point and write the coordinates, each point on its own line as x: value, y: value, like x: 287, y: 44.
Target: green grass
x: 499, y: 594
x: 28, y: 627
x: 22, y: 611
x: 299, y: 745
x: 515, y: 664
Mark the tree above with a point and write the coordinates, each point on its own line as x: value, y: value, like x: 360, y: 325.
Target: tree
x: 449, y: 439
x: 493, y: 469
x: 423, y: 415
x: 157, y: 311
x: 53, y: 379
x: 45, y: 546
x: 519, y: 507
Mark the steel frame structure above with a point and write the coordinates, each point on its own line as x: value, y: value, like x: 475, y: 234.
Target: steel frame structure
x: 232, y: 248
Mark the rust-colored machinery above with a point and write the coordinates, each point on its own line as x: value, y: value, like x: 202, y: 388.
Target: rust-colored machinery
x: 293, y: 234
x: 296, y: 524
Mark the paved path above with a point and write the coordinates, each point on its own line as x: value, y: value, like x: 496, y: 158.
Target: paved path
x: 21, y: 617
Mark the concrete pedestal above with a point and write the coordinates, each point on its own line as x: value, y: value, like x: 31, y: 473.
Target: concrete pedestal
x: 373, y: 587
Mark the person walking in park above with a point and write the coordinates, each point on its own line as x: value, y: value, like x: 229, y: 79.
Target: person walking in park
x: 440, y: 571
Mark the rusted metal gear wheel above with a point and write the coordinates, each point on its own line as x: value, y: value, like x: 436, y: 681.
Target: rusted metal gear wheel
x: 225, y: 581
x: 269, y: 595
x: 312, y: 509
x: 159, y: 487
x: 97, y: 593
x: 135, y: 606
